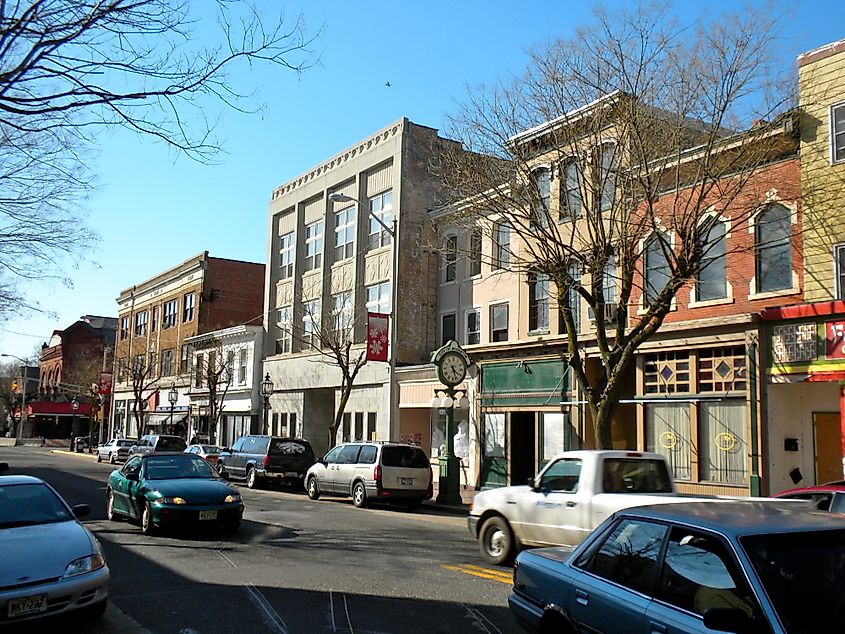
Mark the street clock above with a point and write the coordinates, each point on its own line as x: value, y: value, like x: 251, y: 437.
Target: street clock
x: 451, y: 364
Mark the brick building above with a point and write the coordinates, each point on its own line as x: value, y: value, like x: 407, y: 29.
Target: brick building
x: 155, y: 317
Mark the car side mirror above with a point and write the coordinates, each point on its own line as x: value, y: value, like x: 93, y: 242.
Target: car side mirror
x: 532, y: 483
x: 81, y: 510
x: 4, y: 466
x: 132, y: 477
x: 729, y: 620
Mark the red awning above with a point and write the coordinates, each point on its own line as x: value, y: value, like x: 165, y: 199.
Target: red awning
x: 51, y: 408
x: 796, y: 311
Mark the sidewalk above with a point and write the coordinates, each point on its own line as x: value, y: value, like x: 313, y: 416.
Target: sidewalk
x: 68, y: 452
x: 467, y: 496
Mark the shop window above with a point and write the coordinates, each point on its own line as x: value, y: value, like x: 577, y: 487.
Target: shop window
x: 667, y: 372
x: 722, y: 369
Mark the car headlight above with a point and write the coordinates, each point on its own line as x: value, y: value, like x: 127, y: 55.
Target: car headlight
x: 85, y: 564
x: 175, y: 500
x: 230, y: 499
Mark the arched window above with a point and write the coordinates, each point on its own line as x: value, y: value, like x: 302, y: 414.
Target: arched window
x: 656, y: 268
x: 712, y: 280
x: 475, y: 243
x: 773, y: 248
x: 571, y: 198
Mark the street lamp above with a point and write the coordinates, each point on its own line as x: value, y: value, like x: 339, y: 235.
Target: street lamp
x: 24, y: 378
x: 394, y: 295
x: 266, y: 391
x: 172, y: 396
x: 74, y: 405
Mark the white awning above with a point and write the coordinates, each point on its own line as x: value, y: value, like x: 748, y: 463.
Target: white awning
x: 164, y: 419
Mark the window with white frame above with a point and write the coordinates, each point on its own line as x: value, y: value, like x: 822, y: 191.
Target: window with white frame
x: 572, y: 301
x: 474, y: 260
x: 168, y: 359
x: 188, y: 307
x: 606, y: 175
x: 171, y: 309
x: 837, y: 132
x: 121, y: 370
x: 542, y: 195
x: 229, y: 375
x: 243, y: 356
x: 472, y: 326
x: 657, y: 269
x: 538, y: 302
x: 287, y: 253
x: 609, y: 281
x: 124, y: 327
x: 141, y: 323
x: 447, y: 328
x: 284, y: 323
x: 344, y: 233
x: 499, y: 322
x: 199, y: 371
x: 773, y: 248
x: 712, y: 280
x: 313, y: 245
x: 502, y: 246
x: 450, y: 258
x: 571, y: 191
x: 381, y: 207
x: 378, y: 298
x: 311, y: 323
x: 185, y: 360
x: 342, y: 316
x: 839, y: 257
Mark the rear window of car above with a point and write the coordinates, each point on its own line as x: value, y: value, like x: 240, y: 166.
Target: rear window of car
x: 125, y: 443
x: 290, y: 447
x: 171, y: 444
x: 628, y: 475
x: 212, y: 449
x: 407, y: 457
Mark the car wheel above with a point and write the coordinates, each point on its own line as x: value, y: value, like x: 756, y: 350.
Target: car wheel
x: 312, y: 489
x: 359, y: 495
x: 252, y: 480
x: 496, y: 541
x: 553, y: 622
x: 111, y: 515
x: 147, y: 526
x: 112, y: 459
x: 222, y: 472
x: 99, y: 457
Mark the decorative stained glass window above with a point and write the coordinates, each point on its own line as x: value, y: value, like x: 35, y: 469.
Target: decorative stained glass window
x: 667, y: 373
x: 722, y: 369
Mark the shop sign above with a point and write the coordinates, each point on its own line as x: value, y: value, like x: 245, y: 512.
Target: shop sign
x: 834, y: 342
x: 794, y: 343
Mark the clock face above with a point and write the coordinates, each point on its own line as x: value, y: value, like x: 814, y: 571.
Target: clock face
x: 453, y: 369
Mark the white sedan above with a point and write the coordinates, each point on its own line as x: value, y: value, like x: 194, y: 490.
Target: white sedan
x: 114, y: 450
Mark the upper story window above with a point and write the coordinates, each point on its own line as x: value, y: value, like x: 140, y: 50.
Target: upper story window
x: 313, y: 245
x: 121, y: 369
x: 609, y: 281
x: 538, y: 302
x: 542, y: 195
x: 502, y: 246
x: 311, y: 324
x: 188, y: 307
x: 185, y: 358
x: 839, y: 255
x: 284, y: 322
x: 171, y: 309
x: 124, y: 327
x: 572, y: 302
x: 141, y: 323
x: 472, y: 326
x: 342, y: 316
x: 450, y: 258
x: 198, y: 371
x: 287, y: 252
x: 243, y: 355
x: 712, y: 280
x: 499, y: 322
x: 168, y: 358
x: 229, y: 375
x: 606, y: 175
x: 447, y: 328
x: 656, y: 268
x: 381, y: 207
x: 837, y: 132
x: 344, y: 234
x: 571, y: 191
x: 154, y: 322
x: 378, y: 298
x: 773, y: 248
x: 474, y: 260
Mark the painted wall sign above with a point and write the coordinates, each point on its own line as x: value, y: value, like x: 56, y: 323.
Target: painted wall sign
x: 834, y: 340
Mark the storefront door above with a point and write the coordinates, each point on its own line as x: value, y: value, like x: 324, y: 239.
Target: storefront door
x: 828, y: 434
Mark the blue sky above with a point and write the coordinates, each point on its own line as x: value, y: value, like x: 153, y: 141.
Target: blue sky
x: 154, y: 210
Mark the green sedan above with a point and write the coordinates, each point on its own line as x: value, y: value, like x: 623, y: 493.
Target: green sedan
x: 168, y: 489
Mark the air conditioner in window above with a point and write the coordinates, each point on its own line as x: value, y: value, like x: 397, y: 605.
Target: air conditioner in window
x: 610, y: 311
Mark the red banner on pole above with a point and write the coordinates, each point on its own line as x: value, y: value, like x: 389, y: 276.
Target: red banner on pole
x: 105, y: 383
x: 377, y: 338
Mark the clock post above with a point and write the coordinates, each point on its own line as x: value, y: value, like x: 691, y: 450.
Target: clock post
x: 451, y: 363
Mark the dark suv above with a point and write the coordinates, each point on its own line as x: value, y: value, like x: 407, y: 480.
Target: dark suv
x: 157, y: 442
x: 258, y: 459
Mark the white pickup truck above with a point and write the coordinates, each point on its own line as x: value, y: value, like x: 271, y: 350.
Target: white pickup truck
x: 573, y: 494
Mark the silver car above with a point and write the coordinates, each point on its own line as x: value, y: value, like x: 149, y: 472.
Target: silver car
x: 49, y: 562
x: 372, y: 471
x: 114, y: 450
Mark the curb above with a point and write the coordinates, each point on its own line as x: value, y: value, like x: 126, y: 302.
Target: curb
x: 67, y: 452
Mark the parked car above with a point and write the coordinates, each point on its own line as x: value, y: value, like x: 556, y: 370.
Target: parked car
x: 372, y: 471
x: 114, y: 450
x: 741, y: 566
x: 157, y: 442
x: 825, y: 497
x: 167, y: 489
x: 258, y: 459
x: 49, y: 562
x: 209, y: 453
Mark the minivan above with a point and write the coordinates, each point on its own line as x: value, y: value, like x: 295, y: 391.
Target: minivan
x: 372, y: 471
x: 258, y: 459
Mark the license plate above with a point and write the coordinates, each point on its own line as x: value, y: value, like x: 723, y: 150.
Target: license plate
x: 27, y: 605
x: 291, y: 474
x: 406, y: 481
x: 208, y: 515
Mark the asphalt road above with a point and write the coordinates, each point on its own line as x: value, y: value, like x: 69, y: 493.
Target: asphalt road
x: 295, y: 566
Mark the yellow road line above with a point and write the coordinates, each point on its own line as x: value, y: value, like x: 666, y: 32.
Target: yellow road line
x: 484, y: 573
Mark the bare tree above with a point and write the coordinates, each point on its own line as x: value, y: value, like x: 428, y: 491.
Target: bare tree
x: 140, y: 368
x: 213, y: 371
x: 70, y: 69
x: 650, y: 132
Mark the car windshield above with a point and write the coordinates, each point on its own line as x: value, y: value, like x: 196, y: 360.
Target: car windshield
x: 125, y: 443
x: 211, y: 449
x: 803, y: 575
x: 30, y: 504
x: 177, y: 467
x: 170, y: 443
x: 407, y: 457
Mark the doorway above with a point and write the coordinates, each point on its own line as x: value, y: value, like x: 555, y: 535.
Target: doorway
x: 522, y: 446
x: 827, y: 433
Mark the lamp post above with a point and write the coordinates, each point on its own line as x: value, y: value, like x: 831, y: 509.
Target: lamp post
x: 172, y: 396
x: 266, y: 391
x: 24, y: 377
x: 449, y: 482
x: 394, y: 297
x: 74, y: 405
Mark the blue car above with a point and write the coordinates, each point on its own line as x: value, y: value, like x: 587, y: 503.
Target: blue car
x: 742, y: 566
